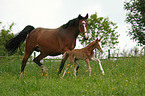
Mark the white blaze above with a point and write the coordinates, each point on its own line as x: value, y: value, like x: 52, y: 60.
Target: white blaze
x: 85, y: 29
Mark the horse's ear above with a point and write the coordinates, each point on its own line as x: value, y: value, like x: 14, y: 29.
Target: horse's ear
x: 86, y: 17
x: 98, y: 39
x: 79, y: 17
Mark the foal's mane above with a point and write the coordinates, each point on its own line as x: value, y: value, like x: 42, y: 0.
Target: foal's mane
x: 72, y: 22
x: 91, y: 44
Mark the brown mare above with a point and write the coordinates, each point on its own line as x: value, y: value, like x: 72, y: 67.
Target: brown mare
x: 50, y: 42
x: 84, y: 54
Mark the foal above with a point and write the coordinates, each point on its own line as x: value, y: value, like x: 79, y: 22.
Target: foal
x: 84, y: 54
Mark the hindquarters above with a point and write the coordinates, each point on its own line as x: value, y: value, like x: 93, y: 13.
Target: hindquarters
x: 71, y: 57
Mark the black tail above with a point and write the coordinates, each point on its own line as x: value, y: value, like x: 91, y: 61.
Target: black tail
x: 15, y: 42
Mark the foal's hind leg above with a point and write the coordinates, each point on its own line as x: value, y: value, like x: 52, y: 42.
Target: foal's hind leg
x: 89, y: 67
x: 75, y: 67
x: 37, y: 61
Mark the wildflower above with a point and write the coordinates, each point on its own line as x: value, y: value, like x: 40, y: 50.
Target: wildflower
x: 86, y: 90
x: 113, y: 88
x: 68, y: 65
x: 71, y: 66
x: 126, y: 84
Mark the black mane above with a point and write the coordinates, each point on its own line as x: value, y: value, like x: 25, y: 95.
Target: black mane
x: 72, y: 22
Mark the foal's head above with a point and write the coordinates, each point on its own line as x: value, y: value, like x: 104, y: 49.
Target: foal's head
x: 97, y: 45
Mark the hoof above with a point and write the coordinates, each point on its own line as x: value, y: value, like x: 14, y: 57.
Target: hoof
x: 21, y: 75
x: 43, y: 68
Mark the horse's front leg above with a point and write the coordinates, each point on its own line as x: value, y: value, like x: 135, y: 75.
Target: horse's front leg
x: 95, y: 59
x: 89, y: 67
x: 37, y: 61
x: 65, y: 56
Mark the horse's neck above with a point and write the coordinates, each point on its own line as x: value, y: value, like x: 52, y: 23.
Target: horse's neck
x: 73, y: 32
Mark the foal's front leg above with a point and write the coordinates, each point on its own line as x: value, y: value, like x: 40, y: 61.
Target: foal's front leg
x: 95, y: 59
x: 89, y: 67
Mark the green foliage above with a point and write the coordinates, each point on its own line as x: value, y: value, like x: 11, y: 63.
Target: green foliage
x: 136, y: 17
x: 5, y: 35
x: 123, y: 77
x: 100, y: 27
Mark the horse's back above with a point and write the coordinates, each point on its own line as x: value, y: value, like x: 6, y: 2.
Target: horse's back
x: 46, y: 40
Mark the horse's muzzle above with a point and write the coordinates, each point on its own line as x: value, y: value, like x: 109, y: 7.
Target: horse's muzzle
x: 85, y: 38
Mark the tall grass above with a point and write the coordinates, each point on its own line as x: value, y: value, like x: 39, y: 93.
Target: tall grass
x: 124, y: 77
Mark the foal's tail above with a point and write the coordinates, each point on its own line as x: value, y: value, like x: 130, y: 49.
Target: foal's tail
x: 15, y: 42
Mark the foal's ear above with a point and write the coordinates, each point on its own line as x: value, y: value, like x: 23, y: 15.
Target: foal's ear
x: 86, y: 17
x: 98, y: 39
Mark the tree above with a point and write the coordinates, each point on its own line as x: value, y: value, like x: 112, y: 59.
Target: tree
x: 5, y: 35
x: 136, y: 17
x: 100, y: 27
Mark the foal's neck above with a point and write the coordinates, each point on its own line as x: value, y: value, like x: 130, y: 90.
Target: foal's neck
x: 91, y: 46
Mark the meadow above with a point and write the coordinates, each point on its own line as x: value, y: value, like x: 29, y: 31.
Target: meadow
x: 123, y: 77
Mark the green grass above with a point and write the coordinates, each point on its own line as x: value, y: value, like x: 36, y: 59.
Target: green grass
x: 125, y: 77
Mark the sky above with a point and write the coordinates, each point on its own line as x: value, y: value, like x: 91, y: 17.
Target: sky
x: 54, y: 13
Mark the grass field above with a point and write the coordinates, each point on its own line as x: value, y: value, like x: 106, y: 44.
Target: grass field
x: 124, y: 77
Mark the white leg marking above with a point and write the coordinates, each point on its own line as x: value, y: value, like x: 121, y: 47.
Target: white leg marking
x: 65, y: 70
x: 95, y: 59
x: 75, y: 67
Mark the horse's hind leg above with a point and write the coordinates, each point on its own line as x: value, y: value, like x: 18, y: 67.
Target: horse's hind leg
x: 24, y: 61
x: 37, y: 61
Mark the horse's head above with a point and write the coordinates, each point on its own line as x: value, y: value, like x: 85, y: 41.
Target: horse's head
x: 97, y: 45
x: 83, y: 26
